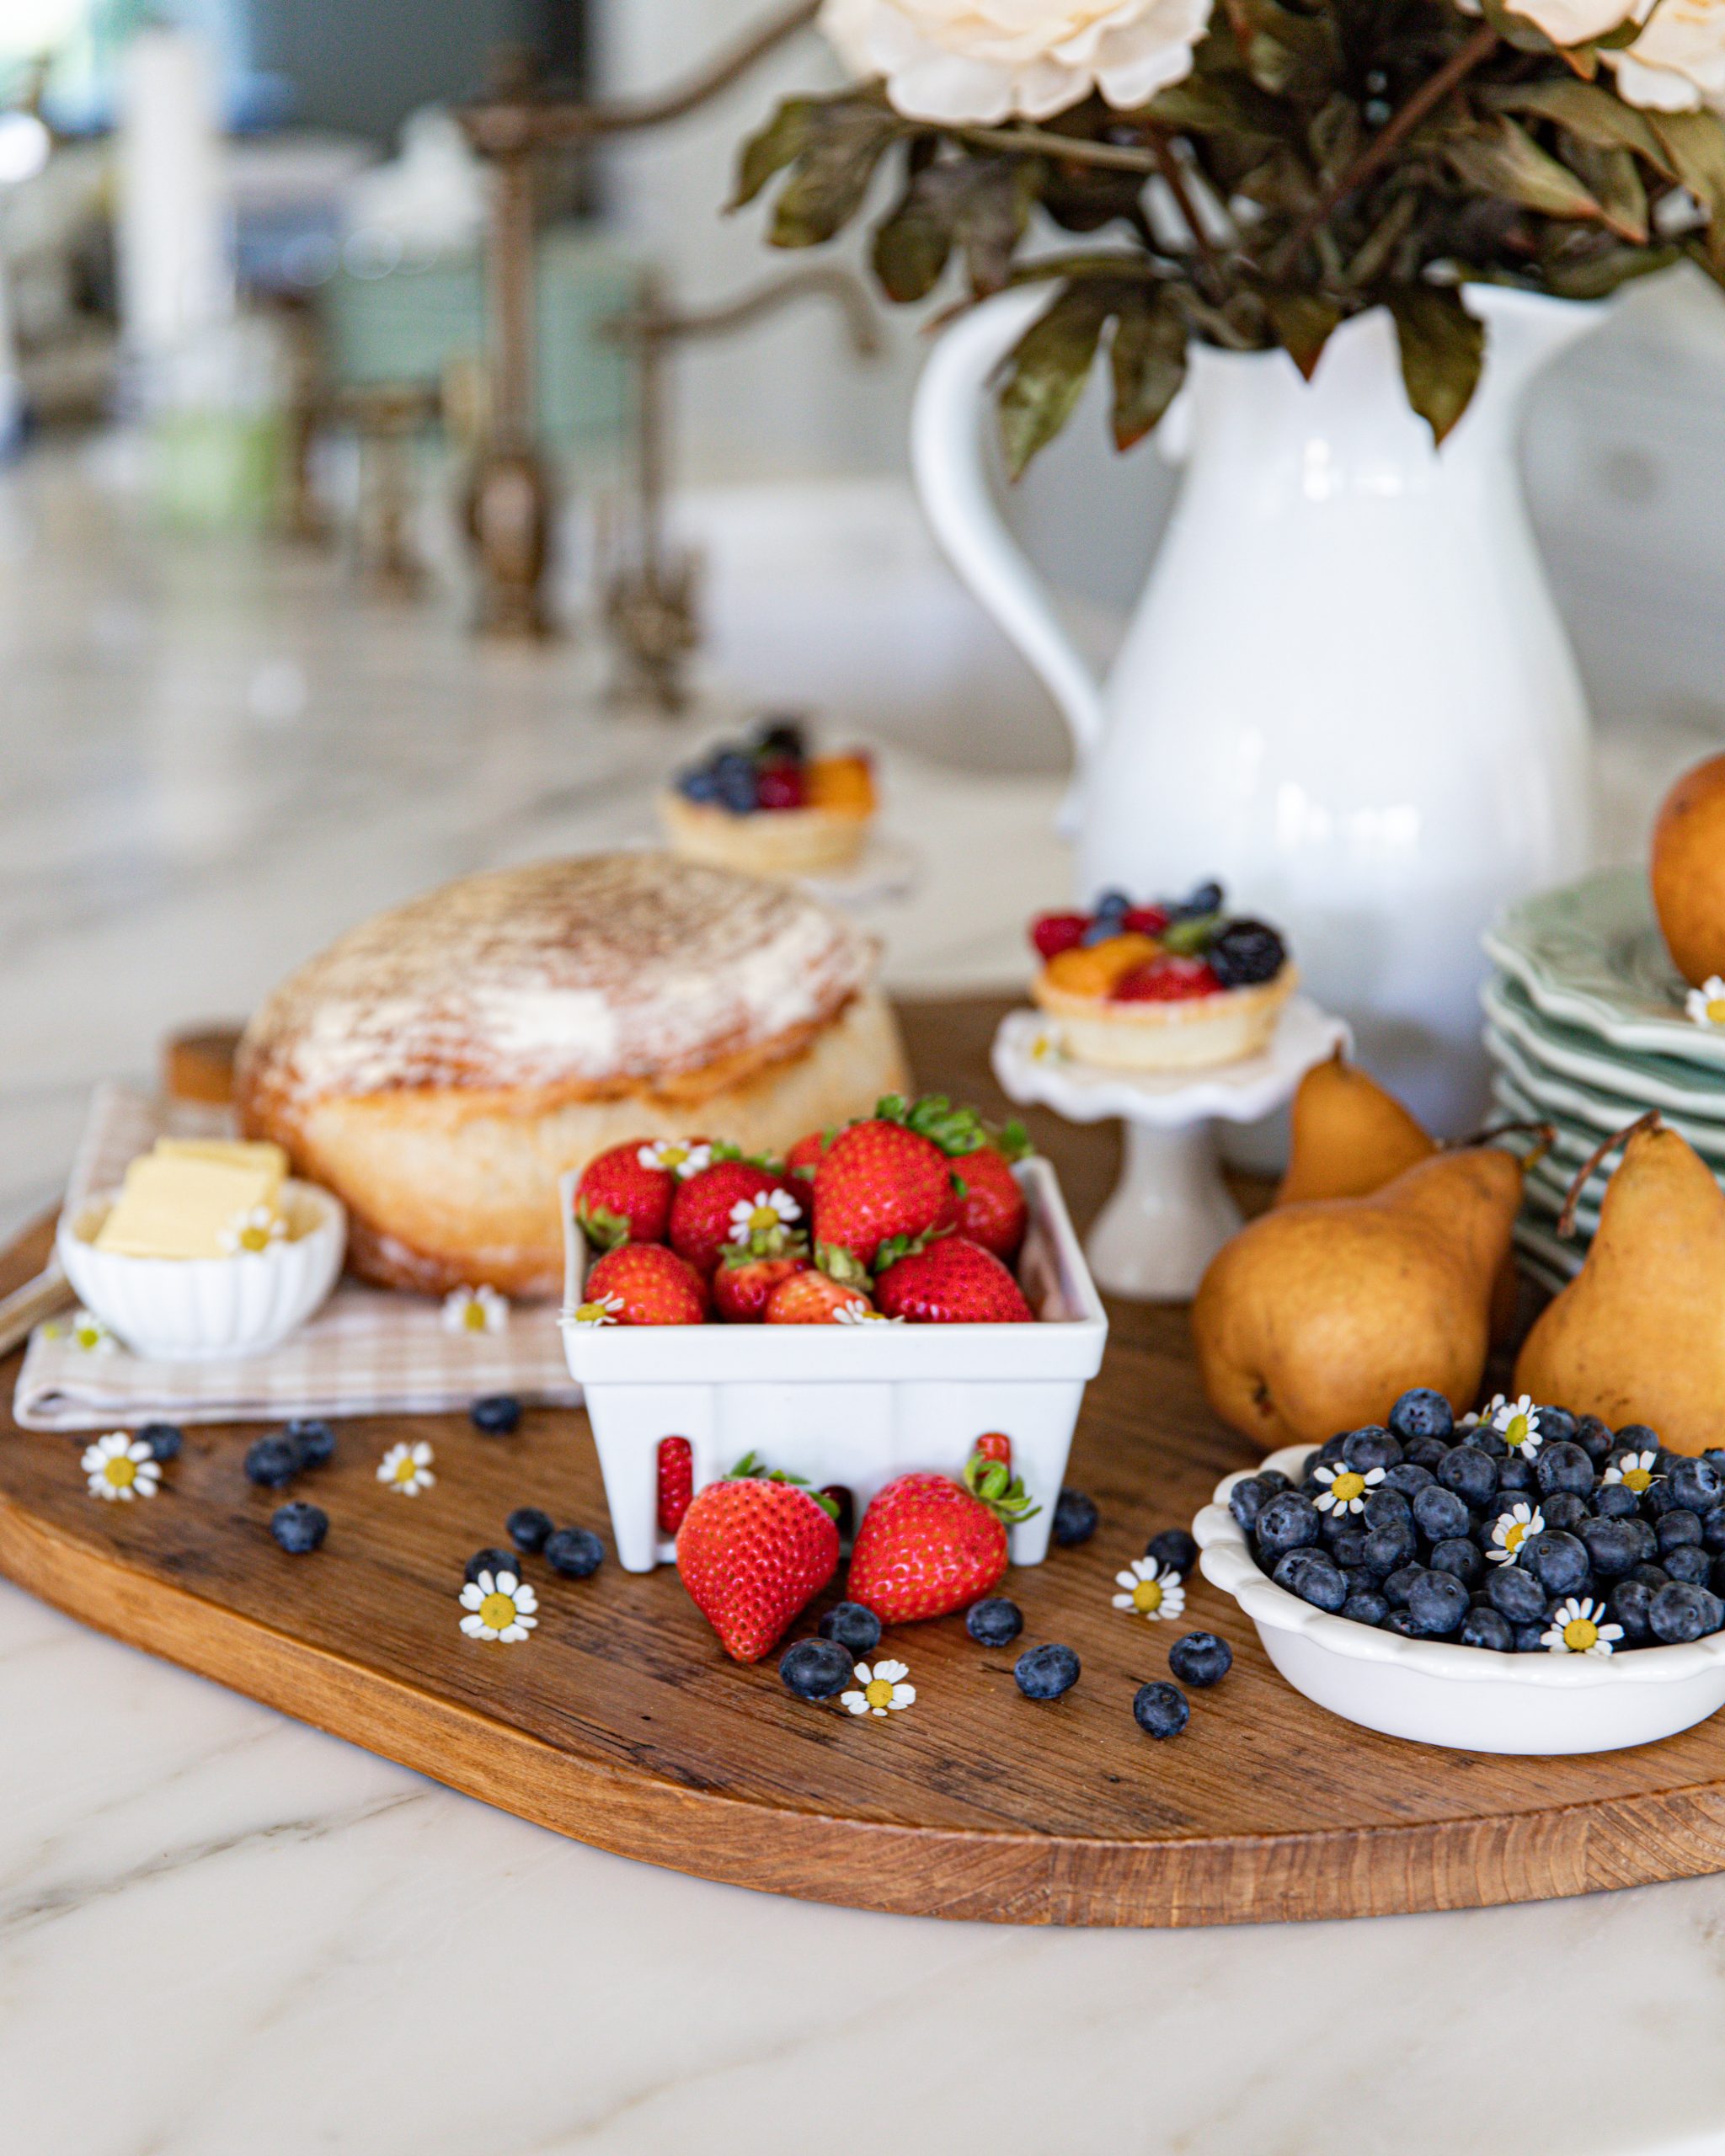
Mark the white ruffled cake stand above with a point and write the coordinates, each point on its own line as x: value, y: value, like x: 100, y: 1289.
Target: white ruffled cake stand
x: 1171, y: 1211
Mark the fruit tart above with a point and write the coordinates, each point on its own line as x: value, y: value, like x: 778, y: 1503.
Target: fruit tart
x: 766, y: 806
x: 1178, y: 985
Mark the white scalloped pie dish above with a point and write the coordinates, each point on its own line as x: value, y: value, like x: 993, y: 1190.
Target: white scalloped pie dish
x: 1467, y: 1697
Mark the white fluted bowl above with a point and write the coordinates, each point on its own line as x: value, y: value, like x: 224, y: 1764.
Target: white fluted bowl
x: 1438, y: 1693
x: 202, y: 1310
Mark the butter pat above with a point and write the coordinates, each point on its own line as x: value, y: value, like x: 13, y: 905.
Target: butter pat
x: 191, y: 1198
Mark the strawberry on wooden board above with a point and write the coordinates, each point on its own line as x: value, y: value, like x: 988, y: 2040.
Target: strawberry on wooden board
x: 992, y: 1209
x: 878, y: 1181
x: 732, y: 1201
x: 814, y: 1298
x: 753, y: 1551
x: 644, y: 1284
x: 624, y: 1196
x: 952, y: 1281
x: 929, y: 1545
x: 677, y: 1482
x: 743, y: 1284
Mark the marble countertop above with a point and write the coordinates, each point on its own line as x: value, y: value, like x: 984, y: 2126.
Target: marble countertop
x: 222, y: 1932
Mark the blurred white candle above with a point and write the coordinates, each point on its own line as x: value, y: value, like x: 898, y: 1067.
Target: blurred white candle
x: 176, y: 273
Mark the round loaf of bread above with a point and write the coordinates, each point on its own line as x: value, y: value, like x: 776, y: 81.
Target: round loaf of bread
x: 441, y: 1065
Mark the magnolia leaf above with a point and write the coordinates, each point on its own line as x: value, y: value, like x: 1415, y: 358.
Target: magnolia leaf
x: 1302, y: 324
x: 781, y: 142
x: 1286, y: 54
x: 1334, y: 136
x: 1595, y: 276
x: 993, y: 213
x: 844, y: 145
x: 1590, y: 114
x: 1147, y: 360
x: 1046, y: 371
x: 1615, y: 178
x: 1442, y: 349
x: 1508, y: 162
x: 1381, y: 242
x: 1694, y: 141
x: 913, y: 240
x: 1516, y: 29
x: 1202, y: 104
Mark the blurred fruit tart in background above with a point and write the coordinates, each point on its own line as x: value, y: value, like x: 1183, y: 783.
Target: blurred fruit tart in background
x: 767, y: 807
x: 1178, y: 985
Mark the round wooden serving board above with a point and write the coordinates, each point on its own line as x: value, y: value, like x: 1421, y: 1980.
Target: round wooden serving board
x: 619, y: 1722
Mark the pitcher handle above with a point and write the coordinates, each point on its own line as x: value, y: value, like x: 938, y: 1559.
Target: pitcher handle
x: 952, y: 406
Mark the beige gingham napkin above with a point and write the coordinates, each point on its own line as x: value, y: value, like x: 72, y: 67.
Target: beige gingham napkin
x: 365, y: 1352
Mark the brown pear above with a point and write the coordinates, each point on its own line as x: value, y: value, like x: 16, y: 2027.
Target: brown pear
x: 1638, y: 1335
x: 1318, y: 1315
x: 1688, y: 869
x: 1348, y: 1135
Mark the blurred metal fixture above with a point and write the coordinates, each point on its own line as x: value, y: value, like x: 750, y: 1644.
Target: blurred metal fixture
x: 386, y: 416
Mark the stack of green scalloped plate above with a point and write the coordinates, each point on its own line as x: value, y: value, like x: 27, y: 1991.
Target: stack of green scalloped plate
x: 1587, y: 1029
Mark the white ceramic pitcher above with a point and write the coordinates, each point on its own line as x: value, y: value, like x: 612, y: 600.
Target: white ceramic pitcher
x: 1346, y: 691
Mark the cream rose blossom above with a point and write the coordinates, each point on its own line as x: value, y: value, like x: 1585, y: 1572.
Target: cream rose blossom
x: 1677, y: 62
x: 977, y: 62
x: 1570, y: 22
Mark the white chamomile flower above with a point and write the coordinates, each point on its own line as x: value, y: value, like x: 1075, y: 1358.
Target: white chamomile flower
x: 860, y: 1313
x: 1577, y: 1627
x: 1152, y: 1590
x: 261, y: 1229
x: 406, y: 1468
x: 1706, y: 1004
x: 1487, y: 1414
x: 121, y: 1467
x: 762, y: 1214
x: 85, y: 1332
x: 1633, y: 1470
x: 475, y: 1309
x: 602, y: 1312
x: 884, y: 1690
x: 499, y: 1607
x: 1345, y: 1488
x: 1517, y: 1422
x: 1510, y: 1530
x: 678, y: 1157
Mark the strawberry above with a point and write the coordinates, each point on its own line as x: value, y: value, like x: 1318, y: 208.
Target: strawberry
x: 624, y: 1196
x: 1166, y: 980
x: 880, y: 1180
x: 677, y: 1482
x: 992, y: 1209
x: 1055, y: 932
x: 928, y: 1545
x: 744, y: 1284
x: 753, y: 1550
x: 645, y: 1283
x: 805, y: 1156
x: 812, y: 1298
x: 952, y: 1281
x: 733, y: 1201
x: 1144, y: 920
x: 996, y: 1447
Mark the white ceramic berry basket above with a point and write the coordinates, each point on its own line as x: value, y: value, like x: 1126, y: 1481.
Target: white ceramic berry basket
x: 1438, y: 1693
x: 851, y: 1405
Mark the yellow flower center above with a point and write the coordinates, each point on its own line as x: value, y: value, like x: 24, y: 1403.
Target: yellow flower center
x: 496, y: 1611
x: 1516, y: 1536
x: 877, y: 1692
x: 1635, y: 1478
x: 254, y: 1238
x: 592, y: 1314
x: 122, y: 1472
x: 1346, y: 1487
x: 1146, y: 1596
x: 1716, y: 1011
x: 405, y: 1471
x: 473, y: 1316
x: 760, y: 1218
x: 87, y: 1335
x: 672, y: 1156
x: 1579, y: 1634
x: 1518, y: 1432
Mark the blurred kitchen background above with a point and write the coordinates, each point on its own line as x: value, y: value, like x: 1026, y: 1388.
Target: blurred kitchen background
x: 372, y: 509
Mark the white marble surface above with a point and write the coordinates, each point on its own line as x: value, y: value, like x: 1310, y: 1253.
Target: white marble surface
x: 219, y: 1932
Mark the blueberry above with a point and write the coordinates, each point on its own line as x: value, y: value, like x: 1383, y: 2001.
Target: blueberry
x: 313, y: 1438
x: 1347, y: 1545
x: 1331, y: 1452
x: 1563, y: 1466
x: 1530, y: 1639
x: 1243, y: 953
x: 299, y: 1529
x: 1557, y: 1425
x: 698, y: 784
x: 1564, y: 1509
x: 1484, y: 1438
x: 1653, y: 1575
x: 1200, y: 1658
x: 1636, y: 1437
x: 1690, y: 1563
x: 1471, y: 1474
x: 1594, y: 1437
x: 1456, y: 1554
x: 994, y: 1622
x: 1423, y: 1452
x: 1400, y: 1584
x: 164, y: 1439
x: 576, y: 1552
x: 1612, y: 1548
x: 1611, y: 1501
x: 493, y: 1561
x: 1288, y: 1521
x: 1388, y: 1508
x: 1660, y: 1498
x: 1202, y: 898
x: 1516, y: 1473
x: 1439, y: 1514
x: 497, y: 1414
x: 1044, y: 1672
x: 1627, y: 1604
x: 1366, y: 1608
x: 1246, y: 1500
x: 1517, y: 1595
x: 1370, y: 1448
x: 528, y: 1529
x: 1407, y: 1477
x: 1113, y: 901
x: 1679, y: 1527
x: 1160, y: 1710
x: 1679, y: 1612
x: 1713, y: 1529
x: 1422, y: 1413
x: 272, y: 1463
x: 738, y: 786
x: 857, y: 1628
x: 1556, y: 1561
x: 1696, y: 1484
x: 815, y: 1669
x: 1074, y: 1518
x: 1387, y: 1549
x: 1485, y: 1628
x: 1311, y: 1575
x: 1401, y: 1622
x: 1274, y: 1480
x: 1173, y: 1547
x: 1437, y: 1602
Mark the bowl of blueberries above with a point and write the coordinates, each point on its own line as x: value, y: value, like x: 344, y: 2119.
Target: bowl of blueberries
x: 1525, y: 1580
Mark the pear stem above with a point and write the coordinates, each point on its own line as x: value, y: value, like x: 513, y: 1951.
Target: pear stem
x: 1546, y: 1133
x: 1566, y: 1219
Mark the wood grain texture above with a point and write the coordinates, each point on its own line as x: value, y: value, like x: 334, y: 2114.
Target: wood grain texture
x: 620, y: 1723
